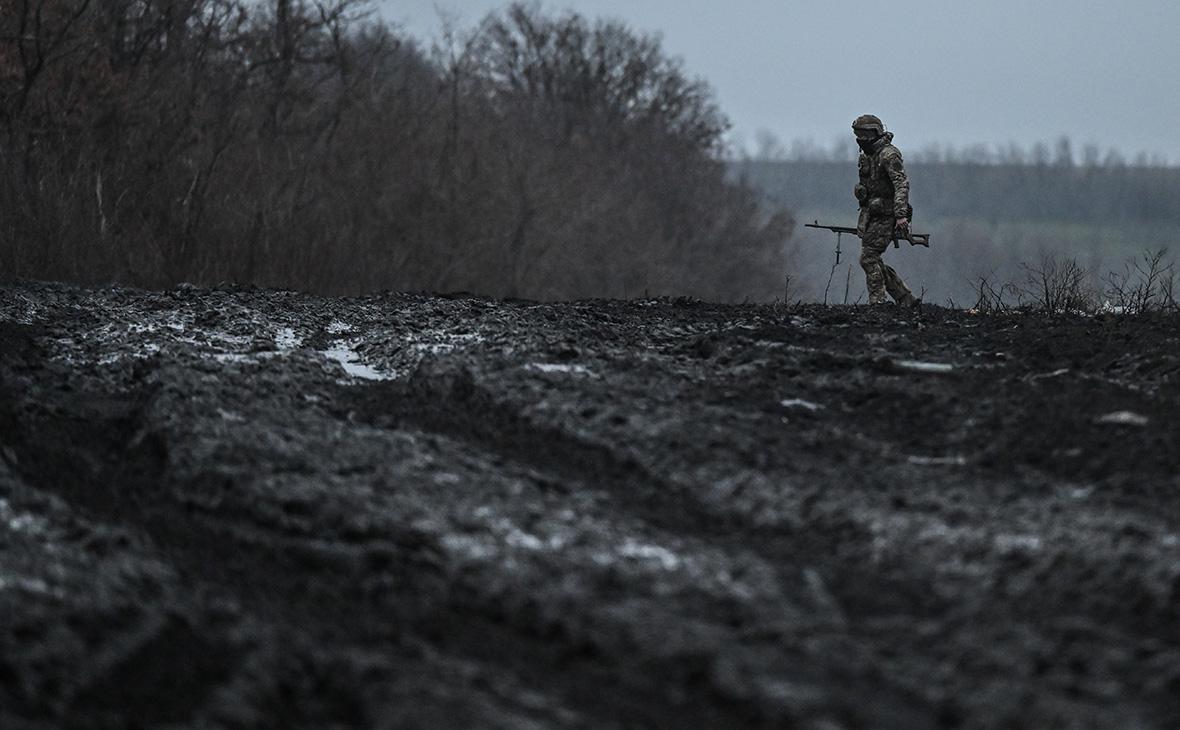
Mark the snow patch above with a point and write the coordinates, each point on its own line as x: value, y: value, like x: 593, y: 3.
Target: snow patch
x: 518, y: 538
x: 286, y: 339
x: 336, y: 327
x: 1017, y: 543
x: 240, y: 357
x: 439, y: 342
x: 918, y: 366
x: 231, y: 416
x: 28, y: 585
x: 1055, y: 374
x: 667, y: 559
x: 468, y: 547
x: 548, y: 367
x: 1124, y: 418
x: 800, y: 403
x: 432, y: 348
x: 20, y: 522
x: 146, y: 351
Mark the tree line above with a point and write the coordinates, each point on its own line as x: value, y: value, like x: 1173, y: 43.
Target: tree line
x: 303, y: 144
x: 1091, y: 195
x: 767, y: 147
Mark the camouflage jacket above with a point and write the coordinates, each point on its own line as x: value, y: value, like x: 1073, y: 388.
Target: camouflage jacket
x: 884, y: 189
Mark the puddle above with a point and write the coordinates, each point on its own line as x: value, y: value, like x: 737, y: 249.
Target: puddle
x: 348, y: 358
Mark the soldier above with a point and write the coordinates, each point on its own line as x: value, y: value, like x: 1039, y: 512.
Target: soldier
x: 884, y: 196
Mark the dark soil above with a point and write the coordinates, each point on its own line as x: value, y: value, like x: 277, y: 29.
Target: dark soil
x: 656, y: 513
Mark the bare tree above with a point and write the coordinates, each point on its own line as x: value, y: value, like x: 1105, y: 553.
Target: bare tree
x: 299, y: 143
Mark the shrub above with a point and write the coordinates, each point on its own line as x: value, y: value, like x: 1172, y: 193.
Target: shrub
x: 1145, y: 284
x: 1058, y: 285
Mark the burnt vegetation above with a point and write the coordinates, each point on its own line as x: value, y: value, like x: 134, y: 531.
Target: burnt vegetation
x: 305, y: 145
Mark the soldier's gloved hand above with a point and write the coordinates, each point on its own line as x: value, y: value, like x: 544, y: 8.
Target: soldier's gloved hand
x: 903, y: 224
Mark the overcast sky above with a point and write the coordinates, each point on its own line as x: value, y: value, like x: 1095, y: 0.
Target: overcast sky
x: 937, y: 71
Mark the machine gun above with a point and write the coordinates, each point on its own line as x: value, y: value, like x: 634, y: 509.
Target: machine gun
x: 915, y: 239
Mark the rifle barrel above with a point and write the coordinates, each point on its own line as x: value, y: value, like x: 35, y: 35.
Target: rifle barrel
x: 915, y: 239
x: 833, y: 229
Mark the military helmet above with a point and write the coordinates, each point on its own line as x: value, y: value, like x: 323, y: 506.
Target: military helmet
x: 869, y: 121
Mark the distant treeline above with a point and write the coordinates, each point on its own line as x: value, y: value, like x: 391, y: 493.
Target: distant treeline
x: 1062, y: 153
x: 989, y: 192
x: 300, y: 144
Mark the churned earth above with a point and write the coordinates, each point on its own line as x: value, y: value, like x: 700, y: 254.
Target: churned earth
x: 250, y: 508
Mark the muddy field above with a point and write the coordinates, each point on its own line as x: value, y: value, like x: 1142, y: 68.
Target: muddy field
x: 247, y: 508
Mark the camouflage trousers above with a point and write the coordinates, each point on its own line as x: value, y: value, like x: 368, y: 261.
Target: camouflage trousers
x: 880, y: 277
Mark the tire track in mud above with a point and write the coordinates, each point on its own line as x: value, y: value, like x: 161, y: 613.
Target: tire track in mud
x: 450, y: 402
x: 446, y: 398
x: 458, y: 406
x: 147, y: 664
x: 100, y: 461
x: 563, y: 640
x: 971, y: 579
x: 1036, y: 567
x: 85, y: 460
